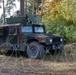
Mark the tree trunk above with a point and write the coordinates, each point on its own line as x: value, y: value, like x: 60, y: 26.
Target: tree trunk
x: 22, y: 7
x: 25, y: 7
x: 3, y: 12
x: 42, y: 8
x: 33, y: 7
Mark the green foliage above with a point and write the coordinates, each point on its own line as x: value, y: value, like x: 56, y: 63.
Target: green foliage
x: 71, y: 34
x: 68, y: 11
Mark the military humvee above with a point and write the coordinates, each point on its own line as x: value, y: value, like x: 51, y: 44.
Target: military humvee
x: 24, y: 35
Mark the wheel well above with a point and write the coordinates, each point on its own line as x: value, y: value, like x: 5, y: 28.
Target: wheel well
x: 31, y: 40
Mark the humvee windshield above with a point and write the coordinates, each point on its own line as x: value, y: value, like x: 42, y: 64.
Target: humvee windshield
x: 33, y: 29
x: 26, y: 29
x: 39, y: 29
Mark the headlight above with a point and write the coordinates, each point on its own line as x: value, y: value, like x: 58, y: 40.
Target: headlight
x: 50, y: 40
x: 61, y: 39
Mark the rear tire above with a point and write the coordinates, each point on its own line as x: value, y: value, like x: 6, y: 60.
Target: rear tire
x: 35, y: 50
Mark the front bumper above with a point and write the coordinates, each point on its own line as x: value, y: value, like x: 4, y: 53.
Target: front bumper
x: 55, y: 47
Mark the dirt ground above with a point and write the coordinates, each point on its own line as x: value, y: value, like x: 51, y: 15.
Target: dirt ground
x: 19, y: 72
x: 36, y: 67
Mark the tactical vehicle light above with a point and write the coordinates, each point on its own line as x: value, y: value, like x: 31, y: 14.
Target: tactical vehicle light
x: 61, y: 39
x: 51, y: 40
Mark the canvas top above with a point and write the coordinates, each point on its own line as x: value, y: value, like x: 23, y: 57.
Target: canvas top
x: 9, y: 25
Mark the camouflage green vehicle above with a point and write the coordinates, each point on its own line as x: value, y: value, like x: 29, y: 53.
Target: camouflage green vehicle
x: 28, y: 36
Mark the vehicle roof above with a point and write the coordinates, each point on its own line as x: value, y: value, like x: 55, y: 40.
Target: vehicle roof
x: 34, y: 25
x: 24, y: 19
x: 9, y: 25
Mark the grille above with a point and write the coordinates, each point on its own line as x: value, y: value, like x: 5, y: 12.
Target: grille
x: 56, y: 39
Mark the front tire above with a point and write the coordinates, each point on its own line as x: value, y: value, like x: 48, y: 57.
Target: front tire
x: 35, y: 50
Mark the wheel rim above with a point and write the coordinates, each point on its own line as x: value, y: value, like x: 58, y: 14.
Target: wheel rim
x: 33, y: 51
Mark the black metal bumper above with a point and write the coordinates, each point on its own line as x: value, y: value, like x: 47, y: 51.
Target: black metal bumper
x: 55, y: 47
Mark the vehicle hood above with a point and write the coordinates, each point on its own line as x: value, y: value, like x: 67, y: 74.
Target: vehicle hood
x: 44, y: 35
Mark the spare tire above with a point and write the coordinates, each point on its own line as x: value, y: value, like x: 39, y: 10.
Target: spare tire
x: 35, y: 50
